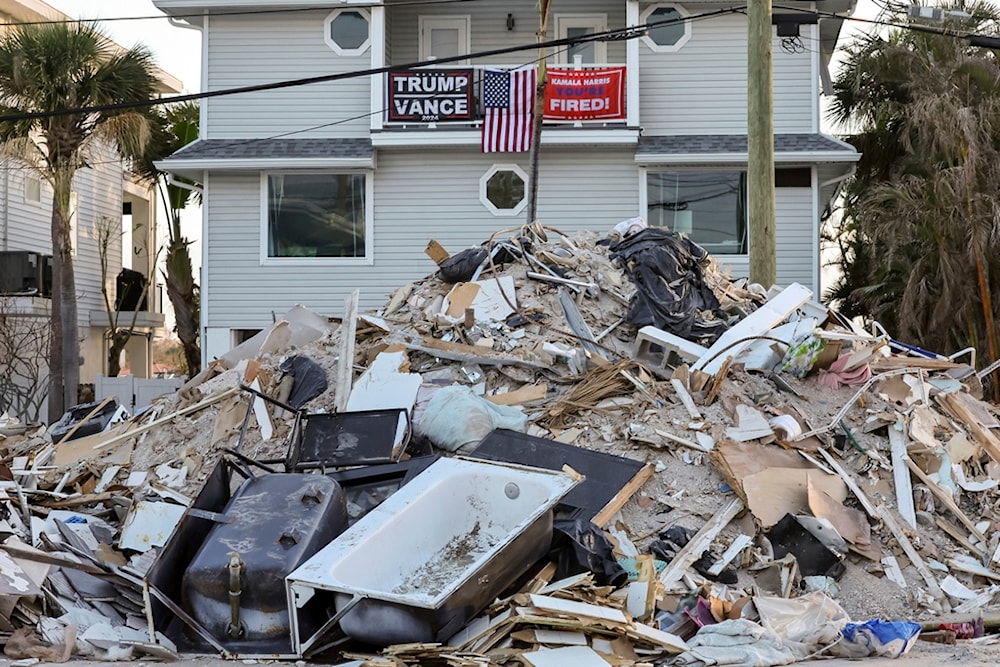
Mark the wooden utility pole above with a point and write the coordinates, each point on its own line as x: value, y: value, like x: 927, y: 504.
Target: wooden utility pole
x: 760, y: 143
x: 536, y: 127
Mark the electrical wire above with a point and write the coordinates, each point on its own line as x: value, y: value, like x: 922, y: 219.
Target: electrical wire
x: 626, y: 33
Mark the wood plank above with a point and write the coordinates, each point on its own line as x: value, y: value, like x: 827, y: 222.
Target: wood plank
x: 232, y: 391
x: 904, y: 490
x: 851, y: 484
x: 436, y: 252
x: 574, y: 608
x: 602, y: 518
x: 530, y: 392
x: 345, y: 361
x: 946, y: 500
x: 686, y: 400
x: 911, y: 553
x: 467, y: 353
x: 957, y: 535
x: 694, y: 549
x: 982, y: 435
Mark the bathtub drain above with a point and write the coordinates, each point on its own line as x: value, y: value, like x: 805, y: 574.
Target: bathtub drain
x: 512, y: 490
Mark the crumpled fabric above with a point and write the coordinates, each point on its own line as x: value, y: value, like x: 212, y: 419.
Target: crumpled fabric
x: 888, y: 639
x: 671, y: 293
x: 739, y: 643
x: 455, y: 418
x: 836, y: 377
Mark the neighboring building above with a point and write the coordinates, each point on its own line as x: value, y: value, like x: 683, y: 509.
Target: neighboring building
x: 103, y: 191
x: 314, y: 190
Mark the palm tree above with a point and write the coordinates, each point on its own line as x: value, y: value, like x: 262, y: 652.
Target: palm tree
x: 922, y: 214
x: 175, y: 127
x: 67, y: 68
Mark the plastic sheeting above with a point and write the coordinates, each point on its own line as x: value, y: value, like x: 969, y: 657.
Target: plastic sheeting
x: 580, y: 546
x: 309, y: 379
x: 671, y: 293
x: 455, y: 418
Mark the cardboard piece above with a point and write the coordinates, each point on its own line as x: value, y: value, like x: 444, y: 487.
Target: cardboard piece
x: 850, y: 523
x: 775, y: 492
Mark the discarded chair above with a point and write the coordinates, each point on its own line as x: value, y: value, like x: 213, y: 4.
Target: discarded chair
x: 341, y: 439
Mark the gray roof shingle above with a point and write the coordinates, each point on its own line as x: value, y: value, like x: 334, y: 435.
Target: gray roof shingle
x: 273, y: 149
x: 690, y: 144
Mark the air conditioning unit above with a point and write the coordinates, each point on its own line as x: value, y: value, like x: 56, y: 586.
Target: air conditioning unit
x: 23, y: 273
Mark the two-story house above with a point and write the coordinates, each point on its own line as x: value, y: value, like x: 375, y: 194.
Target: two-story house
x: 104, y: 191
x: 311, y: 191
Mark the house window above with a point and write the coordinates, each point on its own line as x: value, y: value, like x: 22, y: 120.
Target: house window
x: 318, y: 215
x: 708, y: 206
x: 503, y: 189
x: 32, y: 189
x: 444, y: 37
x: 579, y: 25
x: 669, y: 31
x: 347, y: 31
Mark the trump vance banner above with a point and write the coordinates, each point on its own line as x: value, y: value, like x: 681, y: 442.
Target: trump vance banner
x: 588, y: 94
x: 430, y: 96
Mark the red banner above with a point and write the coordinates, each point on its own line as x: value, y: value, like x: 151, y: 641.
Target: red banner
x: 585, y: 94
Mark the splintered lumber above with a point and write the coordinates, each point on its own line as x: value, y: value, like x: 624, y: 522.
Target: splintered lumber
x: 904, y: 490
x: 601, y: 518
x: 436, y: 252
x: 466, y: 353
x: 345, y: 362
x: 686, y: 400
x: 201, y: 405
x: 851, y: 484
x: 911, y: 553
x: 960, y: 411
x: 957, y: 535
x: 946, y: 500
x: 694, y: 549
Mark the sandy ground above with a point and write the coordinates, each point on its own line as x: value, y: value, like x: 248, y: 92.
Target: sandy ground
x: 923, y: 654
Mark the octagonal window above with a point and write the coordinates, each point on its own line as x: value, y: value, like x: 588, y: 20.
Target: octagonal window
x: 669, y: 30
x: 348, y: 31
x: 503, y: 189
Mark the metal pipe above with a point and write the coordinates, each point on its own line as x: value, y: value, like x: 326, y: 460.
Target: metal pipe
x: 235, y: 628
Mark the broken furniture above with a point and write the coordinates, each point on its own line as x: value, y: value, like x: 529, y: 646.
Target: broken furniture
x: 363, y: 437
x: 419, y: 566
x: 365, y: 488
x: 219, y: 580
x: 604, y: 474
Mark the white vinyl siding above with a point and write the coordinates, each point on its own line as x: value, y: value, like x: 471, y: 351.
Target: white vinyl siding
x: 702, y: 88
x: 489, y: 31
x: 268, y: 48
x: 796, y: 246
x: 419, y: 196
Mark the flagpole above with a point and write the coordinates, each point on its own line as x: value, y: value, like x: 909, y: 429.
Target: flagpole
x: 536, y: 127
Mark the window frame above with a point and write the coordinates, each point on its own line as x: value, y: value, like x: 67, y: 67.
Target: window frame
x: 36, y: 180
x: 666, y: 169
x: 595, y: 22
x: 666, y: 48
x: 490, y: 206
x: 337, y: 48
x: 463, y: 22
x: 369, y: 257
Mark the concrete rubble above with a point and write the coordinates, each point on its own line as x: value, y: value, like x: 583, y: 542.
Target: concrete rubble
x: 754, y: 480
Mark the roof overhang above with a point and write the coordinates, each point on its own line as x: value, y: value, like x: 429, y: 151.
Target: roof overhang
x: 192, y: 169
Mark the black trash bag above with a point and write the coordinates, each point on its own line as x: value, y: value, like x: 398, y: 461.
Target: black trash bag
x: 673, y: 539
x: 461, y: 266
x: 580, y: 546
x: 309, y: 379
x: 671, y: 292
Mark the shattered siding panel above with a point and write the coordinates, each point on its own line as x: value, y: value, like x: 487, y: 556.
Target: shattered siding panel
x: 702, y: 88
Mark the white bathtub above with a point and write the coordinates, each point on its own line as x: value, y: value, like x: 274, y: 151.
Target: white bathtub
x: 430, y: 557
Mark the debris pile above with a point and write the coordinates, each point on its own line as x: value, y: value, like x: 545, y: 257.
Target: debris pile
x: 732, y: 474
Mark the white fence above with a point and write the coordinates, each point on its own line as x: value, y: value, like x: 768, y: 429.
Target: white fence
x: 133, y: 392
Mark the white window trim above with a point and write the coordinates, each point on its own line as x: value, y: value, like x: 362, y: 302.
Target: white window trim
x: 596, y: 23
x: 503, y: 212
x: 339, y: 50
x: 663, y: 48
x: 367, y: 260
x: 462, y: 22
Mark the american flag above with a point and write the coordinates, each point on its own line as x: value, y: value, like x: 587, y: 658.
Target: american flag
x: 509, y: 104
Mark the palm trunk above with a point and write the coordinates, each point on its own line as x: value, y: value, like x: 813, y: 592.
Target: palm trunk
x: 183, y: 294
x: 64, y: 366
x: 985, y: 299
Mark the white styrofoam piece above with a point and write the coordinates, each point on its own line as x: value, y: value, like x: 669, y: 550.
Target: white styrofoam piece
x: 578, y: 656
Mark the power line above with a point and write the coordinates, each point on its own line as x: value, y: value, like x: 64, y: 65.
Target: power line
x: 626, y: 33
